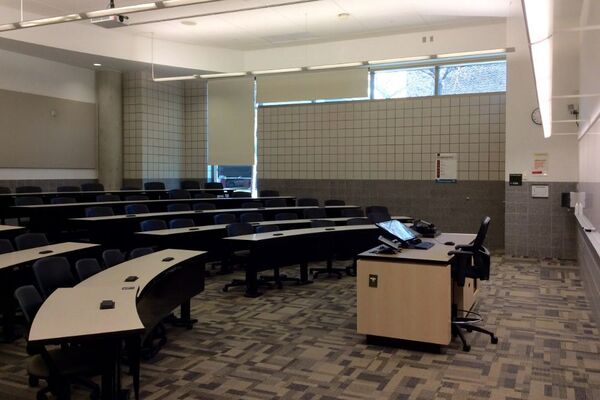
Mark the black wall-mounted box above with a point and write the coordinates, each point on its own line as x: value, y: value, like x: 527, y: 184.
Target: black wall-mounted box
x: 515, y: 179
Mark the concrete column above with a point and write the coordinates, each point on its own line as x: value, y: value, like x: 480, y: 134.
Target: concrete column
x: 109, y: 97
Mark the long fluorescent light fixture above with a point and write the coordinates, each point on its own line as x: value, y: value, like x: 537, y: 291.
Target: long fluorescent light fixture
x: 50, y: 20
x: 399, y: 60
x: 223, y: 75
x: 472, y: 53
x: 276, y: 71
x: 539, y: 20
x: 176, y: 78
x: 333, y: 66
x: 121, y: 10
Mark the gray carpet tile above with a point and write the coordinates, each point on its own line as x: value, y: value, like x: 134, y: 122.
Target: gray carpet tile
x: 300, y: 343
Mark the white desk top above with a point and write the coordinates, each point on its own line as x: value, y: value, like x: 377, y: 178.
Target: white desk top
x: 257, y: 237
x: 24, y: 256
x: 145, y: 268
x: 438, y: 253
x: 75, y: 313
x: 6, y: 228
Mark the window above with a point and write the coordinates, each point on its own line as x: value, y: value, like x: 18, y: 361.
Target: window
x: 231, y: 176
x: 472, y: 78
x: 400, y: 83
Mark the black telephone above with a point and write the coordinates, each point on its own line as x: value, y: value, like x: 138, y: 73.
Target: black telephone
x: 425, y: 228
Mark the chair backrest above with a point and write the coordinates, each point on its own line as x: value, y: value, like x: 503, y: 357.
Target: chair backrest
x: 267, y: 228
x: 314, y: 213
x: 30, y: 240
x: 252, y: 204
x: 285, y: 216
x: 112, y: 257
x: 240, y: 194
x: 140, y: 251
x: 307, y: 201
x: 358, y: 221
x: 28, y: 201
x: 239, y: 228
x: 321, y: 223
x: 92, y: 187
x: 181, y: 223
x: 179, y: 194
x: 154, y: 186
x: 153, y: 225
x: 29, y: 300
x: 129, y: 187
x: 108, y: 197
x: 375, y: 217
x: 268, y: 193
x: 99, y: 211
x: 205, y: 195
x: 352, y: 212
x: 86, y: 267
x: 213, y: 185
x: 52, y: 273
x: 251, y: 217
x: 204, y: 206
x: 335, y: 202
x: 224, y: 218
x: 68, y: 189
x: 136, y: 197
x: 377, y: 209
x: 190, y: 185
x: 4, y: 189
x: 136, y: 209
x: 178, y: 207
x: 28, y: 189
x: 481, y: 234
x: 275, y: 203
x: 63, y: 200
x: 6, y: 246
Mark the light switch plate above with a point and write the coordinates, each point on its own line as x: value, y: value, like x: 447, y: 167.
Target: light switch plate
x: 540, y: 191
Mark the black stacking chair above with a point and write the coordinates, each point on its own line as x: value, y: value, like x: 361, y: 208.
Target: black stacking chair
x: 140, y: 251
x: 358, y: 221
x: 215, y: 185
x: 307, y: 202
x: 312, y: 213
x: 470, y: 261
x: 136, y: 197
x: 275, y: 203
x: 353, y: 212
x: 205, y: 195
x: 108, y: 197
x: 252, y: 204
x: 86, y: 267
x: 154, y: 186
x: 136, y: 209
x: 112, y: 257
x: 285, y: 216
x: 92, y: 187
x: 6, y: 246
x: 178, y: 207
x: 28, y: 201
x: 153, y: 225
x: 224, y: 218
x: 268, y: 193
x: 179, y: 194
x: 68, y: 189
x: 57, y: 366
x: 190, y: 185
x: 52, y: 273
x: 63, y: 200
x: 28, y: 189
x: 240, y: 194
x: 99, y: 212
x: 204, y: 206
x: 4, y: 190
x: 30, y: 240
x: 181, y: 223
x: 335, y: 202
x: 251, y: 217
x: 238, y: 256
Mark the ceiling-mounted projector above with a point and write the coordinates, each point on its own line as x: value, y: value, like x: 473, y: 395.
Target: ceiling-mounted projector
x: 111, y: 21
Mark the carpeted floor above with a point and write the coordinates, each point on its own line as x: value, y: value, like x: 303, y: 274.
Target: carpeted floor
x: 301, y: 343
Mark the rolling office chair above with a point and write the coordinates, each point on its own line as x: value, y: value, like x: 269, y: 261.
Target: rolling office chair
x: 112, y: 257
x: 335, y: 202
x: 30, y: 240
x: 154, y: 186
x: 86, y: 267
x: 136, y: 197
x: 376, y: 217
x: 153, y: 225
x: 277, y: 277
x: 28, y: 201
x: 59, y: 366
x: 181, y: 223
x: 136, y: 209
x: 28, y: 189
x: 240, y: 194
x: 6, y: 246
x: 250, y: 217
x: 205, y: 195
x: 329, y: 269
x: 190, y: 185
x: 268, y: 193
x: 358, y: 221
x: 127, y: 187
x: 68, y: 189
x: 52, y: 273
x: 178, y: 207
x: 204, y: 206
x: 314, y: 213
x: 91, y: 212
x: 307, y: 202
x: 224, y: 218
x: 179, y: 194
x: 63, y: 200
x: 107, y: 197
x: 92, y: 187
x: 285, y: 216
x: 275, y: 203
x: 353, y: 212
x: 215, y: 185
x: 470, y: 261
x: 377, y: 209
x: 4, y: 190
x: 252, y: 204
x: 140, y: 251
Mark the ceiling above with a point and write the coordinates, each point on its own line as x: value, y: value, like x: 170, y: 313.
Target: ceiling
x: 288, y: 25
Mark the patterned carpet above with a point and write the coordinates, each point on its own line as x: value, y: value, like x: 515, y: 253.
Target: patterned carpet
x: 300, y: 343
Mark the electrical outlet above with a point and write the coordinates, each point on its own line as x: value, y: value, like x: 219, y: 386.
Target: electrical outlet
x: 373, y: 279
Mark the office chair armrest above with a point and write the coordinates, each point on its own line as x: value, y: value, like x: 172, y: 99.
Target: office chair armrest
x: 460, y: 253
x: 468, y: 247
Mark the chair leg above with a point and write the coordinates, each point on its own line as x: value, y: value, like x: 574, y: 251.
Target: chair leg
x: 493, y: 337
x: 466, y: 346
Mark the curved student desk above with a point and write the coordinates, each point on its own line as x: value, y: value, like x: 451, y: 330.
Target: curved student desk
x: 10, y: 230
x: 8, y: 264
x: 74, y: 314
x: 300, y: 246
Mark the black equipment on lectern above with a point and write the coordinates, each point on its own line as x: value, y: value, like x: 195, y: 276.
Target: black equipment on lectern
x: 397, y: 232
x: 427, y: 229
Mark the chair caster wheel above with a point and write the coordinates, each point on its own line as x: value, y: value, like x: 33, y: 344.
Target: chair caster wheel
x: 494, y: 340
x: 41, y: 396
x: 224, y: 290
x: 33, y: 381
x: 467, y: 348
